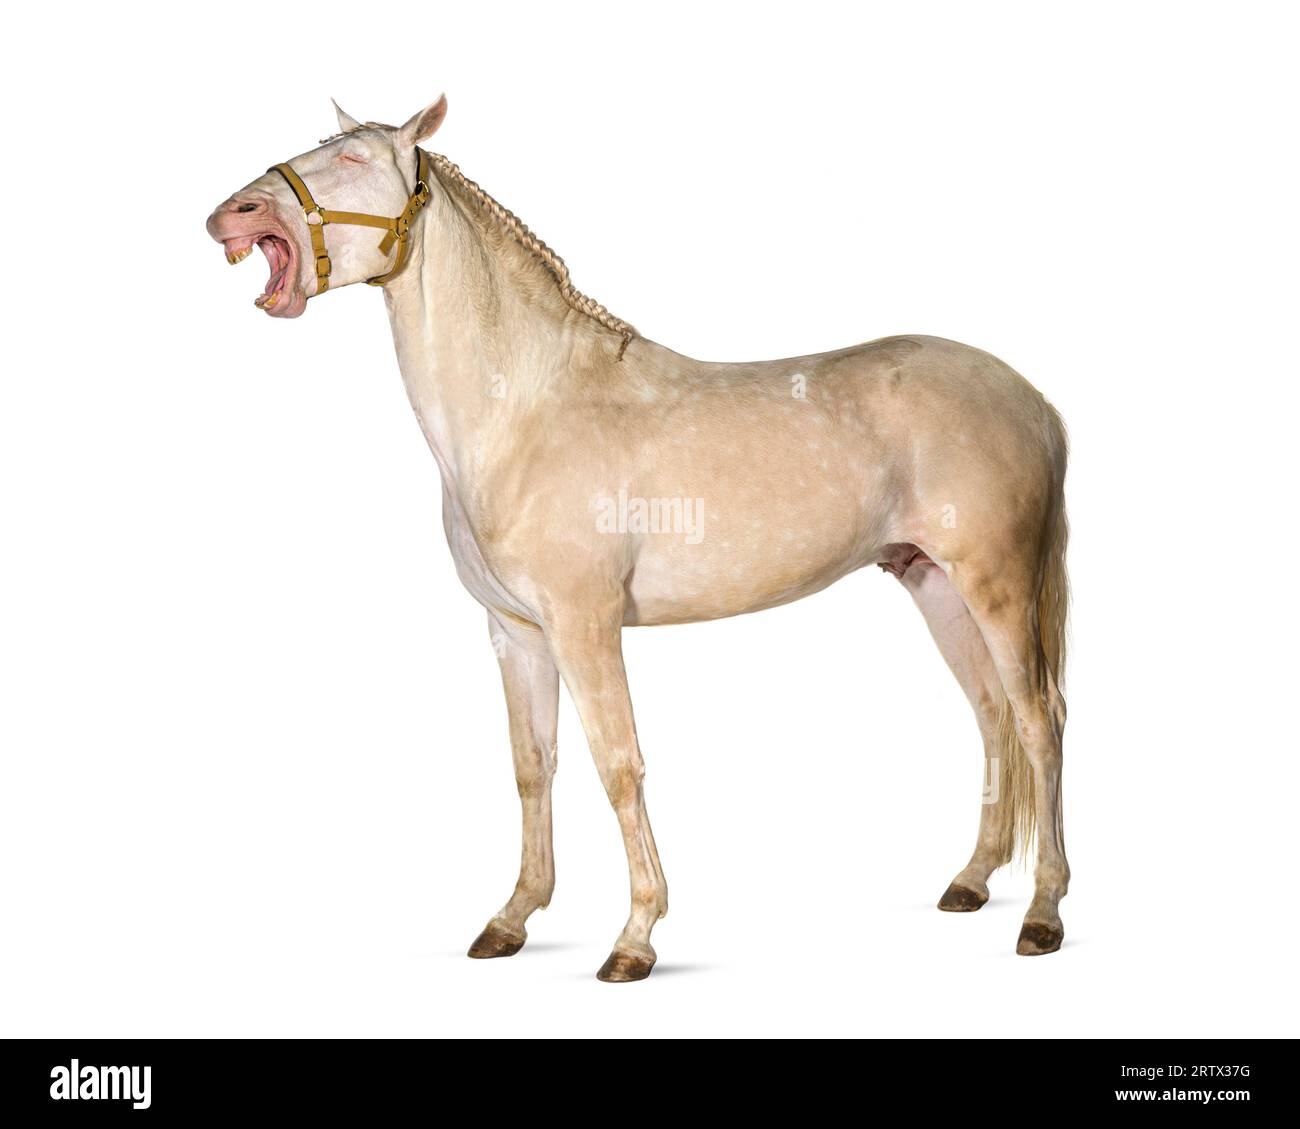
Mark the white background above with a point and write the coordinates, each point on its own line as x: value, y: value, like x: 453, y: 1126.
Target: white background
x: 255, y: 776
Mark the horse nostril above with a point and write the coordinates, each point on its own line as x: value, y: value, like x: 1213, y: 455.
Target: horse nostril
x: 246, y: 208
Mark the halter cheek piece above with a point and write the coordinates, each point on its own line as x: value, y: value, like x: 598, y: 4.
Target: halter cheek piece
x: 396, y: 230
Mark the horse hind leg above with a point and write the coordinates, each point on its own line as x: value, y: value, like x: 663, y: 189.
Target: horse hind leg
x: 963, y: 649
x: 1020, y: 612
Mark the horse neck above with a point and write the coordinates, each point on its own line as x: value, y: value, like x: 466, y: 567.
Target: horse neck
x: 479, y: 331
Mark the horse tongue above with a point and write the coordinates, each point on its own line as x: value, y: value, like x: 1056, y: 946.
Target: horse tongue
x: 276, y: 281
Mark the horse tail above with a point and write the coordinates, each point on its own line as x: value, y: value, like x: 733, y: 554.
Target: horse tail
x: 1015, y: 774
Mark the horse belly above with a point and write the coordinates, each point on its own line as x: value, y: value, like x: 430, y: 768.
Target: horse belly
x: 743, y: 551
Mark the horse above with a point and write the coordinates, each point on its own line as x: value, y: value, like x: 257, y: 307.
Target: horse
x: 593, y: 480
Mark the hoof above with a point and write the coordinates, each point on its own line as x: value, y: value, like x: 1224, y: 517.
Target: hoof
x: 958, y: 899
x: 1037, y: 940
x: 494, y: 941
x: 623, y: 967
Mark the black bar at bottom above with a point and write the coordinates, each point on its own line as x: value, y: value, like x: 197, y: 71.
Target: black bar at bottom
x: 383, y: 1079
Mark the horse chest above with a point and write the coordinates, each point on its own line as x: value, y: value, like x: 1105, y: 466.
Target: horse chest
x: 475, y: 573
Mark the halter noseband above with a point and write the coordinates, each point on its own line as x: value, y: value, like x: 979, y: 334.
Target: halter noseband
x: 396, y: 230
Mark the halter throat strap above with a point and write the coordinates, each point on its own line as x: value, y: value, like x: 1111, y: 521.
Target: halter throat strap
x: 397, y: 229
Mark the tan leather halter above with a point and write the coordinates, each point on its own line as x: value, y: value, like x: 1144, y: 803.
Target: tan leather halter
x: 396, y: 229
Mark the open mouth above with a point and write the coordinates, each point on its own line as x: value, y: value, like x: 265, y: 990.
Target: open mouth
x: 281, y: 258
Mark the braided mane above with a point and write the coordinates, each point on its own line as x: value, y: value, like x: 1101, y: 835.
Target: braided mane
x: 520, y: 232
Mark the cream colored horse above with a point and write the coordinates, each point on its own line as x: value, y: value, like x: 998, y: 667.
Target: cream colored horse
x: 594, y: 480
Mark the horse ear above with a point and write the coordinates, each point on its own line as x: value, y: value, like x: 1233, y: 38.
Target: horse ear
x: 424, y: 124
x: 347, y: 123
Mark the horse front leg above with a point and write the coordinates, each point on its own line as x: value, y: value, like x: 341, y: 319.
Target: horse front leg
x: 532, y: 689
x: 588, y: 651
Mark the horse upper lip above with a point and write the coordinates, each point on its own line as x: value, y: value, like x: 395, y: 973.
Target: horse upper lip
x: 239, y: 248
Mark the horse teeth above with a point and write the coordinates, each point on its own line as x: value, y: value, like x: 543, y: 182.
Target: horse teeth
x: 271, y: 301
x: 233, y: 257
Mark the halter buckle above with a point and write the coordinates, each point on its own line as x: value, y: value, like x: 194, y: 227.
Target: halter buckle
x: 314, y: 216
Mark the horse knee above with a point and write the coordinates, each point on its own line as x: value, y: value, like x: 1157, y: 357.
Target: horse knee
x: 534, y: 773
x: 622, y: 782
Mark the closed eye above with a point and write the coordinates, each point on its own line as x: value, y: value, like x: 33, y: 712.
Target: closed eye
x: 354, y: 158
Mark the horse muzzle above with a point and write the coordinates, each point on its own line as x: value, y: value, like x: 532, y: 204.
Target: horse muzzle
x: 249, y: 219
